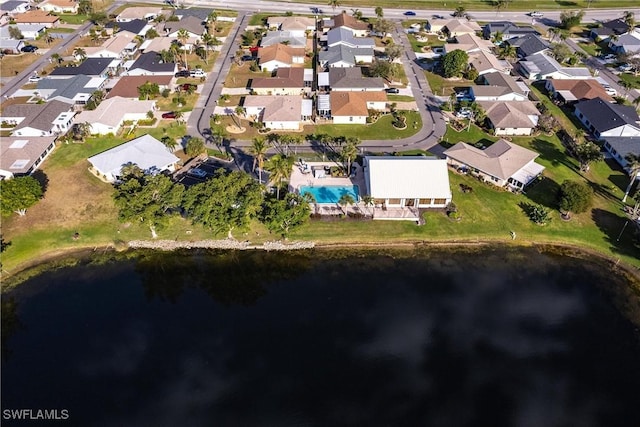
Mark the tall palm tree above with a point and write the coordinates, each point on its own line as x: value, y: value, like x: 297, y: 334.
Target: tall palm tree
x: 356, y: 13
x: 258, y: 150
x: 334, y: 4
x: 349, y: 152
x: 212, y: 20
x: 280, y: 168
x: 179, y: 116
x: 183, y: 37
x: 633, y: 165
x: 207, y: 41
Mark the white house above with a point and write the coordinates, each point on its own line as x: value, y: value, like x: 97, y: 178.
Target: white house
x: 542, y: 66
x: 511, y: 117
x: 280, y: 55
x: 353, y: 107
x: 418, y: 182
x: 605, y: 119
x: 278, y: 112
x: 28, y: 31
x: 111, y: 113
x: 59, y: 6
x: 23, y: 155
x: 49, y: 119
x: 149, y: 154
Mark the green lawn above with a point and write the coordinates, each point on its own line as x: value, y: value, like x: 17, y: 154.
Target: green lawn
x: 400, y: 98
x: 382, y: 129
x: 73, y: 19
x: 444, y: 87
x: 634, y: 80
x: 62, y: 30
x: 483, y: 4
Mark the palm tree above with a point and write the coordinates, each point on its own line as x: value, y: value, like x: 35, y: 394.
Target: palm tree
x: 56, y: 57
x: 349, y: 152
x: 80, y: 53
x: 212, y: 20
x: 81, y: 131
x: 508, y: 51
x: 167, y: 56
x: 183, y: 37
x: 633, y: 165
x: 368, y: 200
x: 258, y: 150
x: 345, y: 200
x: 207, y: 40
x: 280, y: 168
x: 356, y: 13
x: 379, y: 12
x: 169, y: 142
x: 179, y: 116
x: 626, y: 85
x: 460, y: 12
x: 499, y: 5
x: 334, y: 4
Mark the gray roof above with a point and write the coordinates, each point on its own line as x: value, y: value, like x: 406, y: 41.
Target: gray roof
x: 18, y: 154
x: 151, y: 61
x: 274, y: 37
x: 528, y: 44
x: 198, y: 12
x: 345, y: 36
x: 43, y: 117
x: 352, y: 78
x: 10, y: 5
x: 543, y: 65
x: 508, y: 29
x: 10, y: 43
x: 67, y: 88
x: 134, y: 26
x: 624, y: 144
x: 20, y: 110
x: 192, y: 24
x: 605, y: 116
x: 90, y: 67
x: 615, y: 26
x: 503, y: 80
x: 343, y: 53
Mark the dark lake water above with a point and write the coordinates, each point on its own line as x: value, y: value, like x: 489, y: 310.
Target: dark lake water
x: 486, y: 338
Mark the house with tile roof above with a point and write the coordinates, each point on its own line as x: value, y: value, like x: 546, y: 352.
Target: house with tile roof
x: 28, y: 31
x: 76, y: 90
x: 352, y: 80
x: 127, y: 86
x: 59, y: 6
x: 508, y: 30
x: 353, y: 107
x: 287, y: 81
x: 122, y: 45
x: 146, y: 12
x: 21, y: 156
x: 604, y: 119
x: 49, y: 119
x: 413, y: 182
x: 149, y: 154
x: 298, y: 25
x: 452, y: 27
x: 157, y: 44
x: 469, y: 43
x: 344, y: 56
x: 111, y: 113
x: 278, y: 112
x: 571, y: 91
x: 511, y: 117
x: 503, y: 163
x: 36, y: 16
x: 280, y: 55
x: 150, y: 64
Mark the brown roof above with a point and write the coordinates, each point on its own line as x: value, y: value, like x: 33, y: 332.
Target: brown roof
x: 345, y: 20
x: 62, y: 3
x: 285, y: 77
x: 127, y: 87
x: 279, y: 52
x: 19, y: 153
x: 510, y: 114
x: 582, y: 89
x: 353, y: 103
x: 36, y: 16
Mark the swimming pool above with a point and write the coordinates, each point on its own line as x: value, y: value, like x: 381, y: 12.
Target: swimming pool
x: 331, y: 193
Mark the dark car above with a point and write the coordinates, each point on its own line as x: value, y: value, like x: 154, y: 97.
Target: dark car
x: 188, y: 86
x: 29, y: 48
x: 183, y: 73
x: 409, y: 13
x: 392, y: 90
x: 169, y: 115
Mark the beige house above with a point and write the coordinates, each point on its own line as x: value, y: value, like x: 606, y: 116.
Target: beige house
x: 353, y: 107
x: 511, y: 117
x: 280, y: 55
x: 23, y: 155
x: 504, y: 164
x: 486, y: 62
x: 119, y: 46
x: 59, y: 6
x: 131, y: 13
x: 300, y: 25
x: 453, y: 27
x: 278, y: 112
x: 469, y: 43
x: 113, y: 112
x: 344, y: 20
x: 287, y: 81
x: 37, y: 17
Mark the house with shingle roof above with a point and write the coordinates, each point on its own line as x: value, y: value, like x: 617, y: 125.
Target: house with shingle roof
x: 621, y: 146
x: 528, y: 45
x: 299, y: 25
x: 453, y: 27
x: 59, y: 6
x: 615, y: 27
x: 352, y: 80
x: 137, y: 27
x: 150, y: 64
x: 149, y: 154
x: 11, y: 46
x: 14, y: 7
x: 127, y: 86
x: 342, y: 36
x: 542, y: 66
x: 508, y: 30
x: 344, y: 20
x: 284, y: 37
x: 571, y: 91
x: 120, y: 46
x: 94, y: 67
x: 157, y: 44
x: 21, y: 156
x: 146, y: 13
x: 278, y: 112
x: 48, y: 119
x: 193, y: 25
x: 604, y: 119
x: 499, y: 87
x: 111, y: 113
x: 37, y: 16
x: 486, y: 62
x: 353, y: 107
x: 405, y: 181
x: 280, y: 55
x: 287, y: 81
x: 76, y: 90
x: 503, y: 163
x: 344, y: 56
x: 28, y: 31
x: 469, y: 43
x: 626, y: 43
x: 511, y: 117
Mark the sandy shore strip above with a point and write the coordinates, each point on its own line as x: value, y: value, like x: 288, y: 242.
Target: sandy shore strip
x: 170, y: 245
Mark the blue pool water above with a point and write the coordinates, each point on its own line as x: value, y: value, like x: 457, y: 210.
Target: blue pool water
x: 331, y: 193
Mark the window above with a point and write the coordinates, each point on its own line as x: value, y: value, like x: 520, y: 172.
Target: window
x: 350, y: 119
x: 439, y: 201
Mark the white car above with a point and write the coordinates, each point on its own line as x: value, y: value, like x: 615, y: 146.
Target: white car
x: 536, y: 14
x: 198, y: 73
x: 625, y: 67
x: 34, y: 79
x: 198, y: 173
x: 610, y: 91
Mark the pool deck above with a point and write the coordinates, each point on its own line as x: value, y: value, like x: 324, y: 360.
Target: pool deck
x: 300, y: 178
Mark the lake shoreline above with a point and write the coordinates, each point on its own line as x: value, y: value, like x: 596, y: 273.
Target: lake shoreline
x: 66, y: 257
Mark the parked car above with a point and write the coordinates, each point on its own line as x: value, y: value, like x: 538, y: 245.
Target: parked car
x: 188, y: 86
x: 29, y: 48
x: 34, y: 79
x: 392, y: 90
x: 625, y: 67
x: 464, y: 113
x: 169, y: 115
x: 198, y: 173
x: 183, y: 73
x: 198, y: 73
x: 409, y: 13
x: 536, y: 14
x: 610, y: 56
x: 610, y: 91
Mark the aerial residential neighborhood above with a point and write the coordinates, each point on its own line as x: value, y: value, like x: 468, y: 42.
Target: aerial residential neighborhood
x: 363, y: 117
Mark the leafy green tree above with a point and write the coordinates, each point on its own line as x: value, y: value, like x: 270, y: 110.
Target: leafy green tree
x: 539, y: 214
x: 393, y: 51
x: 151, y: 34
x: 588, y: 153
x: 195, y: 147
x: 575, y: 196
x: 15, y: 33
x: 283, y: 216
x: 383, y: 27
x: 98, y: 18
x: 560, y: 52
x: 149, y: 199
x: 85, y: 7
x: 19, y: 194
x: 472, y: 74
x: 379, y: 12
x: 570, y: 19
x: 225, y: 202
x: 280, y: 168
x: 384, y: 69
x: 248, y: 38
x: 454, y: 63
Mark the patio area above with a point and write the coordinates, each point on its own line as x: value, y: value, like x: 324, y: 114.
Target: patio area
x: 314, y: 174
